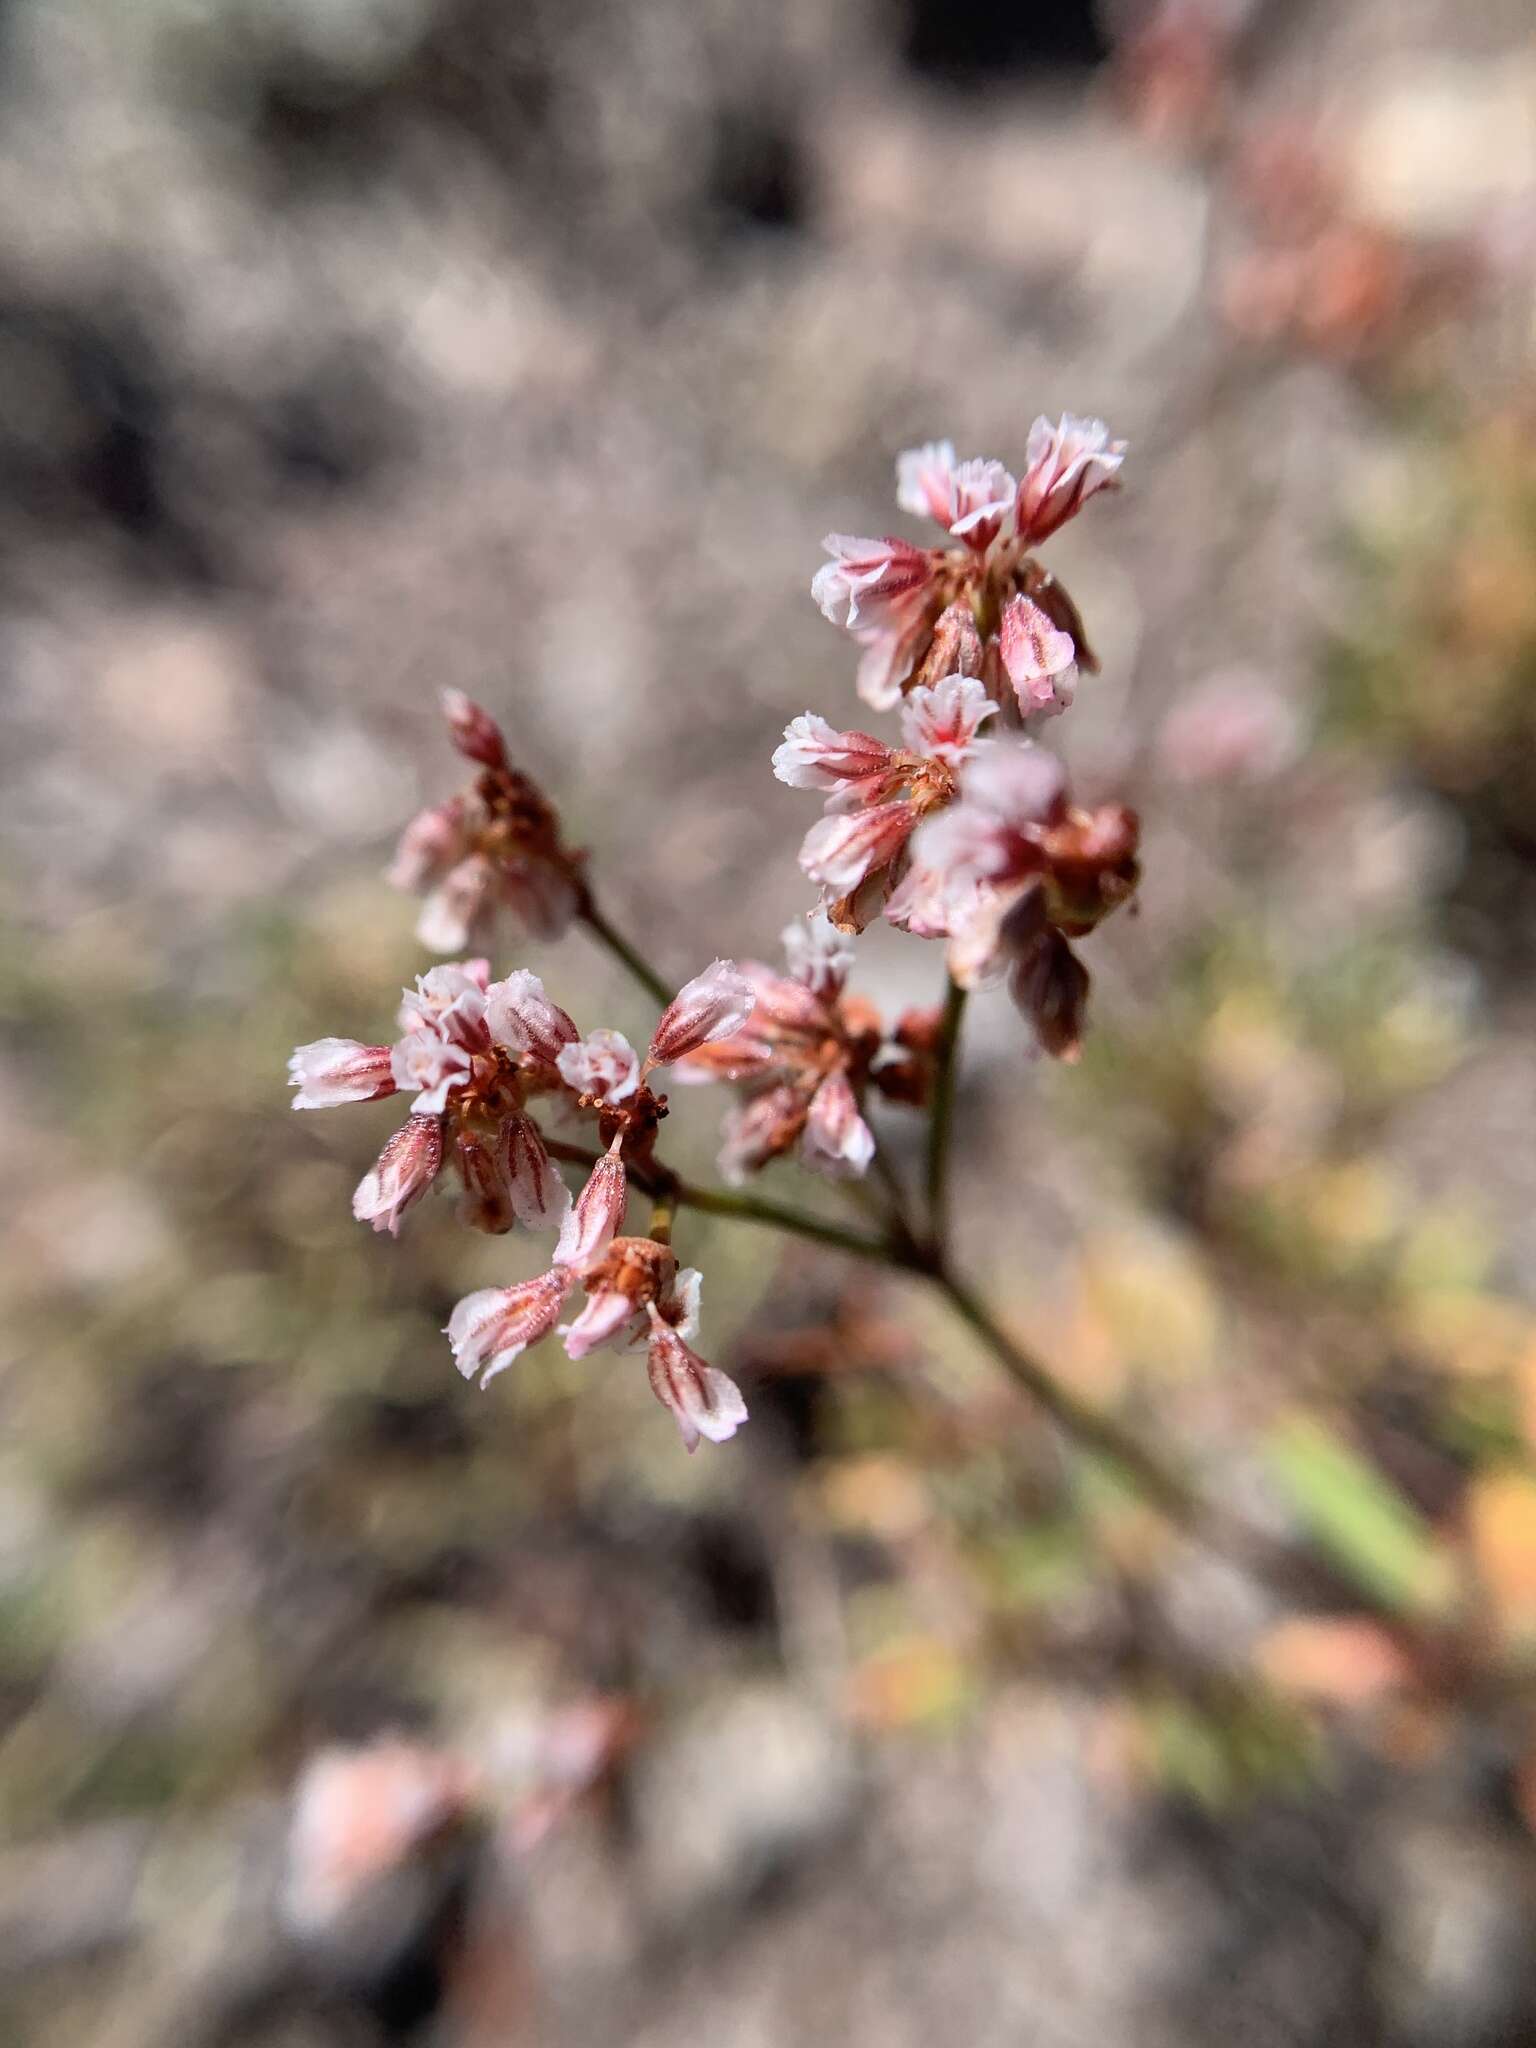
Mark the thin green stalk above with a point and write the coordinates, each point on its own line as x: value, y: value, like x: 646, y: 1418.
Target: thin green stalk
x: 779, y: 1216
x: 1088, y: 1426
x: 667, y: 1187
x: 633, y: 962
x: 941, y: 1116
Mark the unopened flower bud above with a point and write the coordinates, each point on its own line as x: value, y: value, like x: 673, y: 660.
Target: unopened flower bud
x: 1040, y: 659
x: 595, y: 1216
x: 473, y: 730
x: 521, y: 1017
x: 1050, y: 986
x: 405, y: 1169
x: 837, y: 1141
x: 955, y: 649
x: 712, y: 1005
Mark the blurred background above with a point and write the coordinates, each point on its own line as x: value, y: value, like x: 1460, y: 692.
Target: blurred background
x: 354, y: 348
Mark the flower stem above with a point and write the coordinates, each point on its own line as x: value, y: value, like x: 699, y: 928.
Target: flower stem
x: 670, y: 1189
x: 634, y: 963
x: 779, y: 1216
x: 1088, y: 1426
x: 941, y: 1116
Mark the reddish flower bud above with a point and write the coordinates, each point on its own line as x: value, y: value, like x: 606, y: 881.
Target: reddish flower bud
x: 712, y: 1005
x: 406, y: 1168
x: 1050, y: 986
x: 473, y: 730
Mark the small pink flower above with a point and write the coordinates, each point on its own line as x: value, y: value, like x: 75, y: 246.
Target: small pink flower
x: 942, y: 720
x: 815, y: 755
x: 704, y: 1402
x: 460, y: 905
x: 968, y: 499
x: 433, y: 1065
x: 595, y: 1217
x: 1064, y: 466
x: 992, y: 832
x: 605, y: 1316
x: 837, y: 1141
x: 336, y: 1070
x: 521, y: 1017
x: 539, y: 1196
x: 931, y: 902
x: 841, y: 849
x: 431, y: 844
x: 819, y: 957
x: 1041, y: 660
x: 449, y: 1001
x: 887, y: 660
x: 763, y: 1128
x: 405, y: 1169
x: 473, y: 730
x: 491, y: 1328
x: 359, y: 1818
x: 603, y: 1065
x: 1234, y: 728
x: 713, y: 1005
x: 541, y: 899
x: 873, y: 584
x: 622, y: 1283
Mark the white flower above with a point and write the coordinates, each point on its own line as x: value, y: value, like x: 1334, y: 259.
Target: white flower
x: 603, y: 1065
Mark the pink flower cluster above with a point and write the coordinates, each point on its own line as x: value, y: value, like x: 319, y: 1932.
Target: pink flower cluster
x: 494, y: 850
x: 480, y: 1056
x: 960, y: 829
x: 914, y: 609
x: 960, y: 834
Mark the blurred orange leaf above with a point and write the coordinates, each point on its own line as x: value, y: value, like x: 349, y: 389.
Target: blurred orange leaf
x: 1342, y: 1661
x: 1501, y: 1525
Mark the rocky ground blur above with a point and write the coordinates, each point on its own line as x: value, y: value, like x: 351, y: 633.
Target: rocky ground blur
x: 353, y: 348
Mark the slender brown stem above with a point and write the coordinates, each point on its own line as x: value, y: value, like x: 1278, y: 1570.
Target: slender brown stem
x: 632, y: 961
x: 941, y: 1116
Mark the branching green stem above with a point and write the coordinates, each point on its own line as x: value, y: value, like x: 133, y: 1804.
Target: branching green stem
x: 941, y: 1116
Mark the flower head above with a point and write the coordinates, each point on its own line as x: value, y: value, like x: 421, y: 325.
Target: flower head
x: 1040, y: 871
x: 876, y: 796
x: 805, y: 1056
x: 636, y: 1298
x: 493, y: 850
x: 1064, y: 466
x: 473, y: 1052
x: 922, y: 613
